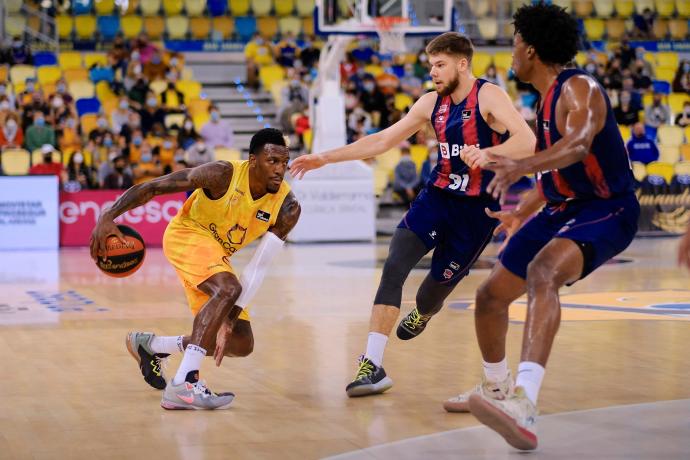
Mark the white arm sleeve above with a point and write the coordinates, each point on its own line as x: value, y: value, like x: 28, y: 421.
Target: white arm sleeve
x: 253, y: 274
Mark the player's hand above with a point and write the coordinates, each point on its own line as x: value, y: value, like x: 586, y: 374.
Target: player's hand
x: 222, y: 339
x: 509, y: 222
x: 684, y: 250
x: 473, y: 156
x: 506, y: 173
x: 104, y: 229
x: 301, y: 165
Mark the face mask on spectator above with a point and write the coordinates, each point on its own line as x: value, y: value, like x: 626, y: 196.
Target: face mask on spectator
x: 156, y: 60
x: 151, y: 102
x: 71, y: 123
x: 591, y: 68
x: 137, y: 140
x: 137, y: 69
x: 30, y: 87
x: 167, y: 145
x: 78, y: 158
x: 17, y: 44
x: 369, y: 87
x: 201, y: 147
x: 3, y: 89
x: 40, y: 121
x: 61, y: 88
x: 135, y: 55
x: 58, y: 102
x: 625, y: 99
x: 108, y: 142
x: 11, y: 125
x: 174, y: 62
x: 146, y: 157
x: 102, y: 123
x: 215, y: 116
x: 124, y: 105
x: 423, y: 58
x: 178, y: 158
x: 259, y: 41
x: 4, y: 105
x: 188, y: 125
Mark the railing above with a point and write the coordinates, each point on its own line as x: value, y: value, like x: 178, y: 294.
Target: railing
x: 40, y: 30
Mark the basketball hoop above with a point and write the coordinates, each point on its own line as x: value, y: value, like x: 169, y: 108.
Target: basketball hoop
x: 391, y: 31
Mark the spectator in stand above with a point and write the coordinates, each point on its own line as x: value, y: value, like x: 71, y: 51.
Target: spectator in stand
x: 39, y: 134
x: 11, y: 134
x: 642, y: 74
x: 302, y: 125
x: 59, y: 111
x: 363, y: 52
x: 430, y: 163
x: 295, y: 98
x: 120, y: 116
x: 635, y: 96
x: 48, y: 166
x: 151, y: 113
x: 627, y: 54
x: 405, y: 178
x: 217, y: 132
x: 626, y: 113
x: 187, y: 135
x: 149, y: 166
x: 105, y: 168
x: 145, y: 48
x: 20, y: 52
x: 421, y: 66
x: 358, y: 78
x: 658, y: 113
x: 199, y: 153
x: 61, y: 89
x: 310, y: 53
x: 26, y: 96
x: 683, y: 118
x: 287, y: 51
x: 494, y: 77
x: 348, y: 67
x: 118, y: 56
x: 257, y: 53
x: 79, y: 176
x: 101, y: 130
x: 640, y: 147
x: 120, y: 178
x: 69, y: 139
x: 167, y: 150
x: 643, y: 25
x: 172, y: 99
x: 387, y: 82
x: 155, y: 69
x: 374, y: 102
x: 137, y: 94
x: 8, y: 96
x: 156, y: 136
x: 681, y: 83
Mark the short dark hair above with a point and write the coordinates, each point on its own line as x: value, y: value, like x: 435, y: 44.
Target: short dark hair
x: 550, y: 30
x: 263, y: 137
x: 451, y: 43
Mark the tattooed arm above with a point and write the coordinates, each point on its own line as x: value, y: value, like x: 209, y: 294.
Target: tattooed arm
x: 287, y: 217
x: 214, y: 178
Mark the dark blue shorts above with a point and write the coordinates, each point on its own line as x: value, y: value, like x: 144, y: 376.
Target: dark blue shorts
x: 602, y: 229
x: 457, y: 227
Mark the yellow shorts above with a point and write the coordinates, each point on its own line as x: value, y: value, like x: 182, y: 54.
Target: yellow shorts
x: 196, y: 257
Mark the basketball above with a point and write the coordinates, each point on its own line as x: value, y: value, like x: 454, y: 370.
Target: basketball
x: 123, y: 259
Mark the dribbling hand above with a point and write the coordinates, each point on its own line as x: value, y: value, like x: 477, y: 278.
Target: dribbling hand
x: 104, y: 229
x: 300, y: 165
x: 222, y: 339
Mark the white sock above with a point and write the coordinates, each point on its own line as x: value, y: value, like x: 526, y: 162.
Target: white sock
x: 191, y: 361
x: 167, y: 344
x: 376, y: 344
x: 496, y: 372
x: 529, y: 377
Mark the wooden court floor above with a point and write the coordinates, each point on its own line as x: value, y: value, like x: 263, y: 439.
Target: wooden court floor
x: 69, y: 389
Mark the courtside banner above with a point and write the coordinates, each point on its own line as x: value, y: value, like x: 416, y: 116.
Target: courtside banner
x: 79, y: 212
x: 28, y: 212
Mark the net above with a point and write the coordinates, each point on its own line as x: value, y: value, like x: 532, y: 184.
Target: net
x: 391, y: 31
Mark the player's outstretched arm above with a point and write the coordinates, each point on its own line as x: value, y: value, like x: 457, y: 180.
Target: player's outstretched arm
x: 373, y: 144
x: 212, y: 177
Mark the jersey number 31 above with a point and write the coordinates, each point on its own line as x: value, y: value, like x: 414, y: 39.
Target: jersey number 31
x: 459, y: 182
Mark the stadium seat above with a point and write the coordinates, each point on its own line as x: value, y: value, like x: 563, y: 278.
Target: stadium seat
x: 503, y: 60
x: 480, y: 61
x: 603, y: 8
x: 91, y: 59
x: 678, y: 28
x: 37, y: 157
x: 150, y: 7
x: 669, y: 154
x: 625, y: 8
x: 402, y: 101
x: 70, y: 60
x: 75, y: 74
x: 177, y: 27
x: 217, y: 7
x: 641, y: 5
x: 245, y: 27
x: 670, y: 135
x: 19, y: 73
x: 108, y: 27
x: 639, y: 171
x: 271, y: 73
x: 276, y: 91
x: 88, y: 105
x: 13, y: 6
x: 227, y: 154
x: 191, y: 89
x: 81, y: 89
x: 615, y: 28
x: 154, y: 27
x: 131, y: 25
x: 48, y: 74
x: 223, y: 27
x: 380, y: 181
x: 199, y: 28
x: 101, y: 74
x: 667, y: 59
x: 239, y: 7
x: 308, y: 25
x: 195, y: 7
x: 200, y: 120
x: 81, y: 7
x: 660, y: 169
x: 261, y: 7
x: 681, y: 171
x: 305, y: 8
x: 488, y: 28
x: 172, y: 7
x: 676, y: 101
x: 5, y: 73
x: 683, y: 8
x: 158, y: 86
x: 284, y: 7
x: 664, y: 8
x: 85, y: 27
x: 291, y: 24
x: 43, y: 58
x: 660, y: 86
x: 419, y: 154
x: 174, y: 119
x: 88, y: 123
x: 196, y: 106
x: 15, y: 24
x: 388, y: 160
x: 65, y: 26
x: 583, y: 8
x: 267, y: 26
x: 104, y: 7
x: 685, y: 152
x: 665, y: 73
x: 660, y: 28
x: 594, y: 28
x: 15, y: 162
x: 625, y: 132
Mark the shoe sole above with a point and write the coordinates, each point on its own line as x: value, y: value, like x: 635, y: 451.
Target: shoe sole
x: 502, y: 424
x: 407, y: 331
x: 450, y: 406
x: 374, y: 389
x: 168, y: 405
x: 135, y: 355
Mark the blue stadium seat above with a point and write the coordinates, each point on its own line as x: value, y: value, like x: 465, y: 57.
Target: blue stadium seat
x: 217, y: 7
x: 661, y: 86
x: 88, y: 105
x: 245, y: 26
x: 82, y: 7
x: 108, y: 26
x: 101, y: 74
x: 42, y: 58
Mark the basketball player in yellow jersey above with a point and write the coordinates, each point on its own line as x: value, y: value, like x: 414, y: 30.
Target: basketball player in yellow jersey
x: 233, y: 204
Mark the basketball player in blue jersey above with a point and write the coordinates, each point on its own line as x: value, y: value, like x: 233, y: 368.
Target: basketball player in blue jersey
x: 448, y: 215
x: 589, y: 214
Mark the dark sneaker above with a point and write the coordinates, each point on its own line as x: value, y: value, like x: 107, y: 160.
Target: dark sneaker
x: 370, y: 379
x: 412, y: 325
x: 150, y: 363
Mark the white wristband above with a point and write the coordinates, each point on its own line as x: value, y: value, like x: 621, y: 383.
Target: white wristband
x: 253, y: 274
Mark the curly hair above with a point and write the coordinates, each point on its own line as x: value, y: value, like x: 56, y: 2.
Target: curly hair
x: 263, y: 137
x: 550, y: 30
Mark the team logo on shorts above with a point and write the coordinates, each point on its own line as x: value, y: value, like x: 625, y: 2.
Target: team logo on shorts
x: 447, y: 273
x: 263, y: 215
x: 545, y: 125
x: 454, y: 266
x: 466, y: 114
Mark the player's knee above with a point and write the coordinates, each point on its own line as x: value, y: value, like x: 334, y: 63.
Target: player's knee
x: 541, y: 275
x: 489, y: 298
x: 229, y: 290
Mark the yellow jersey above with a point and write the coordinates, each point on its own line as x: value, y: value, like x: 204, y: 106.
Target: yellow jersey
x: 235, y: 219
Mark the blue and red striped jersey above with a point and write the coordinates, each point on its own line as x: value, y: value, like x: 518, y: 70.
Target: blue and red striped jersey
x: 604, y: 173
x: 455, y: 126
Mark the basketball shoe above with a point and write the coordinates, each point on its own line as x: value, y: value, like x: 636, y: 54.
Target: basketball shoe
x: 150, y: 363
x: 494, y: 390
x: 514, y: 418
x: 194, y: 396
x: 370, y: 379
x: 412, y: 325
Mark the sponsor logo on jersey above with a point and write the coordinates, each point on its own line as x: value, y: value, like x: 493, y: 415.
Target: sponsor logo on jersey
x: 466, y: 114
x: 263, y: 215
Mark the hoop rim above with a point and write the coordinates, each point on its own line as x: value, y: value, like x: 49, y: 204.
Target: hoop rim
x: 386, y: 23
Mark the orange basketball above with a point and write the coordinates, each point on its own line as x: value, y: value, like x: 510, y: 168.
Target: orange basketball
x: 123, y: 259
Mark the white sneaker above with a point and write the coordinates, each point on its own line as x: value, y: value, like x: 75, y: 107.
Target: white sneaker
x: 194, y: 396
x: 495, y: 390
x: 514, y: 418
